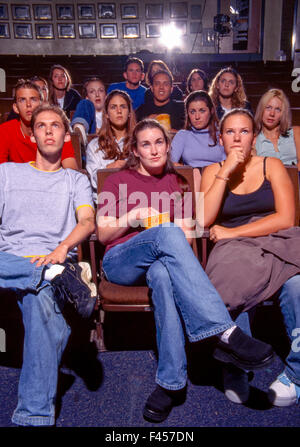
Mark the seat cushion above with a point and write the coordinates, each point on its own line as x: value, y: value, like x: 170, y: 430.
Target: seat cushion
x: 116, y: 294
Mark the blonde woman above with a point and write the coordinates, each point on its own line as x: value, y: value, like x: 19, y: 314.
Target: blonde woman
x: 276, y: 137
x: 227, y: 92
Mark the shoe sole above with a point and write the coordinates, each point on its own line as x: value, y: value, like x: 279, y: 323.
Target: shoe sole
x: 227, y: 357
x: 235, y: 398
x: 280, y: 401
x: 155, y: 417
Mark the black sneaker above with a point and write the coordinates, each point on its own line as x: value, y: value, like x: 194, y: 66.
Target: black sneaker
x: 72, y: 286
x: 243, y: 351
x: 160, y: 403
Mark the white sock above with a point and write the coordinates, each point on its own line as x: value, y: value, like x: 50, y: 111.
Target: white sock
x: 226, y: 334
x: 53, y: 271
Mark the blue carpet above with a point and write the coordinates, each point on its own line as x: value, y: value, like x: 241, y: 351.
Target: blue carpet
x: 127, y: 378
x: 109, y: 389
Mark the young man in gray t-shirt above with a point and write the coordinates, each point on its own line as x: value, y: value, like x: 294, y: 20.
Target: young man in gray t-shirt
x: 45, y: 212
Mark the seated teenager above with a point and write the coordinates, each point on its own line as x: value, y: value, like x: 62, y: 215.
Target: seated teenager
x: 153, y: 67
x: 227, y: 92
x: 45, y: 212
x: 111, y: 148
x: 276, y: 135
x: 40, y: 82
x: 197, y: 144
x: 184, y: 300
x: 133, y: 75
x: 61, y: 91
x: 164, y: 109
x: 249, y: 206
x: 88, y: 114
x: 196, y: 80
x: 15, y: 142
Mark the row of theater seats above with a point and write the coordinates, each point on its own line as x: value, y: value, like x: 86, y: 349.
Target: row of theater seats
x: 258, y: 76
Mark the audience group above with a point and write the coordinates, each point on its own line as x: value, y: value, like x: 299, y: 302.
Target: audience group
x: 146, y: 126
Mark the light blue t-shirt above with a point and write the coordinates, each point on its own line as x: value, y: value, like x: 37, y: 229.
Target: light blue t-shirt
x: 195, y: 148
x: 38, y: 208
x: 137, y: 95
x: 286, y: 148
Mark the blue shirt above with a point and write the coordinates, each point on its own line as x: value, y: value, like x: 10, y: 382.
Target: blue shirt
x: 286, y: 148
x: 137, y: 95
x: 195, y: 148
x: 85, y: 114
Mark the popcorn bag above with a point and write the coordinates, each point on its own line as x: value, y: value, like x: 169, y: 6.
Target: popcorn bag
x: 153, y: 221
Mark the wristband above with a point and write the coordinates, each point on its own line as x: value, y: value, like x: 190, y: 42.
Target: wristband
x: 222, y: 178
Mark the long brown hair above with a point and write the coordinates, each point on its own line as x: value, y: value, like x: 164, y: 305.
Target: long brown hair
x: 202, y: 75
x: 52, y: 96
x: 133, y: 161
x: 201, y: 95
x: 107, y: 141
x: 239, y: 98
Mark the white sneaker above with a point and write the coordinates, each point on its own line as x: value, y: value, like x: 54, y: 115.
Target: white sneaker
x: 283, y: 392
x: 236, y: 384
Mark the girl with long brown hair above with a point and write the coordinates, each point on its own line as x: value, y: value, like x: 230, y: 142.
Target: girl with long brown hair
x: 197, y: 144
x: 227, y: 92
x: 118, y: 121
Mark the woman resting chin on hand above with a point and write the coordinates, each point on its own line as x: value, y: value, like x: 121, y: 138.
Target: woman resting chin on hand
x: 249, y: 206
x: 183, y: 298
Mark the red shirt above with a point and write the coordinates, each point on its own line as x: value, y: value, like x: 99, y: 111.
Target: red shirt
x: 16, y: 147
x: 129, y: 189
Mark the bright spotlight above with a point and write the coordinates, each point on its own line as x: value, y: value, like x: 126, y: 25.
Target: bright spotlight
x: 170, y: 36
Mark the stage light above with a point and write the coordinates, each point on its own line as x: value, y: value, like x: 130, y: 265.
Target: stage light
x: 170, y: 36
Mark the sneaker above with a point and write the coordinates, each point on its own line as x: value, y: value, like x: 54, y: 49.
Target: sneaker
x: 244, y: 351
x: 283, y: 392
x: 236, y: 384
x: 160, y: 403
x: 73, y: 286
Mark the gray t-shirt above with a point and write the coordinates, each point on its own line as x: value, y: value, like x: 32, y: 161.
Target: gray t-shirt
x: 38, y: 208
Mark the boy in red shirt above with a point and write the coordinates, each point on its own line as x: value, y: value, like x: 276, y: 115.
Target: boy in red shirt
x: 15, y: 143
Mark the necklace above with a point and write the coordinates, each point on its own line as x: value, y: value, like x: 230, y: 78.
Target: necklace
x: 22, y: 132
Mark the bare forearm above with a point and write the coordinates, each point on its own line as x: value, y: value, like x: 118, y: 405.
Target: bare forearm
x: 109, y: 229
x: 264, y: 226
x: 82, y: 231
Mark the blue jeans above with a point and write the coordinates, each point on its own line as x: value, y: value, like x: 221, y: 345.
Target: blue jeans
x: 182, y: 295
x: 46, y: 335
x: 289, y: 299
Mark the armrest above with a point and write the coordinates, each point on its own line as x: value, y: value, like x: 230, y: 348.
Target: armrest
x: 204, y: 241
x: 92, y: 241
